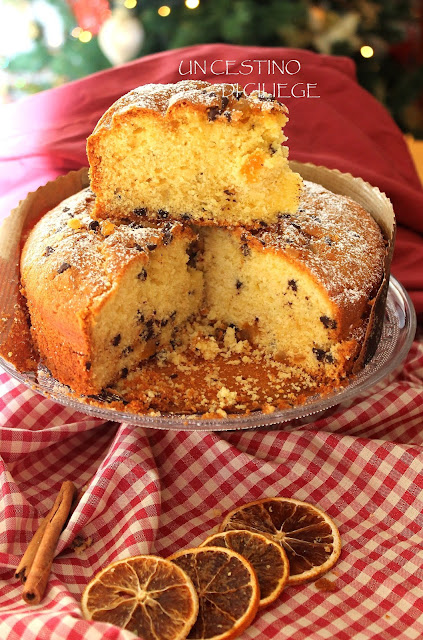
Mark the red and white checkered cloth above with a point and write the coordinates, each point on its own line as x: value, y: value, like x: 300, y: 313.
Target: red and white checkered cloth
x: 152, y: 491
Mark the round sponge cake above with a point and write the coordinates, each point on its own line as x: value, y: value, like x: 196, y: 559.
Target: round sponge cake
x: 104, y: 297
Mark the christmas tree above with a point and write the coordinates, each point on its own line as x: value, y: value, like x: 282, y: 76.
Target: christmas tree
x: 62, y: 40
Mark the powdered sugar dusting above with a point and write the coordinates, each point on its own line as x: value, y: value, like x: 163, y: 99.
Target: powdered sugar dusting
x: 84, y: 259
x: 163, y: 97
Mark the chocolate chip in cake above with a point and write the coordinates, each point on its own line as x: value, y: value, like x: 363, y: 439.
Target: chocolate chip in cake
x: 323, y: 356
x: 142, y: 275
x: 164, y: 322
x: 173, y: 315
x: 48, y: 251
x: 124, y: 373
x: 151, y: 246
x: 228, y: 192
x: 66, y: 209
x: 228, y: 116
x: 148, y: 334
x: 140, y: 212
x: 173, y: 376
x: 63, y: 267
x: 272, y: 150
x: 238, y: 284
x: 163, y: 214
x: 269, y: 98
x: 284, y: 216
x: 212, y: 113
x: 212, y: 94
x: 319, y: 353
x: 127, y: 350
x: 295, y: 225
x: 355, y: 234
x: 328, y: 323
x: 94, y: 225
x: 292, y: 284
x: 88, y: 366
x: 107, y: 396
x: 149, y: 323
x: 328, y: 241
x: 116, y: 340
x: 167, y: 238
x: 192, y: 251
x: 138, y: 247
x: 237, y: 94
x: 140, y: 317
x: 185, y: 216
x: 262, y: 223
x: 245, y: 249
x: 135, y: 225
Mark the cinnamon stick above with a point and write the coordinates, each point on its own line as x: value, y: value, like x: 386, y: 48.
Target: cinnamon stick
x: 35, y: 565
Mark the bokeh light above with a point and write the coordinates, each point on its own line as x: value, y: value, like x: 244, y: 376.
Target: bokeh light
x: 366, y: 51
x: 163, y: 11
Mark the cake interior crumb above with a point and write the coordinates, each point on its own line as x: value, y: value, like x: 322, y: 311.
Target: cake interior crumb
x: 214, y: 372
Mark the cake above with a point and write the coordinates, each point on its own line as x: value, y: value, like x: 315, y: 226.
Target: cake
x: 191, y: 151
x: 104, y: 297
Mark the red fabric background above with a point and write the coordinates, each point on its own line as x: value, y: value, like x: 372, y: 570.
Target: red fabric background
x: 44, y: 135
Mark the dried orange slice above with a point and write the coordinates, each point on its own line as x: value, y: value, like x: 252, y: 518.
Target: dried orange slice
x: 147, y: 595
x: 309, y: 537
x: 227, y: 588
x: 267, y: 558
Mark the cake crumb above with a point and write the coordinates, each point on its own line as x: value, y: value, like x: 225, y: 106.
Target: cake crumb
x: 226, y: 397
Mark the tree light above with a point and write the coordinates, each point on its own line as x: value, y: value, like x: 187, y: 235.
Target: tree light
x: 76, y: 32
x: 85, y: 36
x: 366, y: 51
x: 192, y: 4
x: 130, y: 4
x: 163, y: 11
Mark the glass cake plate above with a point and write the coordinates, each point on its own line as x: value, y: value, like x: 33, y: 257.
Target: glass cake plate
x: 397, y: 336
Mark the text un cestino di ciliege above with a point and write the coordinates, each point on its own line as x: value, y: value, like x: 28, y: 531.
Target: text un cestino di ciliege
x: 286, y: 68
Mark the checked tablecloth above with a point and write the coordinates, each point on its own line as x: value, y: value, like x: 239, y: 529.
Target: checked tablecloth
x: 152, y: 491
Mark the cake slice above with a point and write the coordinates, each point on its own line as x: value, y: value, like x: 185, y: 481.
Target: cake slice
x: 193, y: 151
x: 103, y: 297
